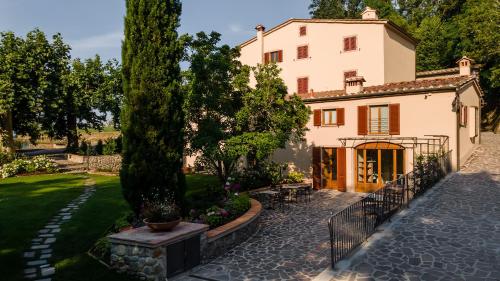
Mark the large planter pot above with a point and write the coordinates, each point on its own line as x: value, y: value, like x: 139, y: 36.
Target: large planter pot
x: 162, y: 226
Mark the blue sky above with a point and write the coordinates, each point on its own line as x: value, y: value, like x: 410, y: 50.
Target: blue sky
x: 96, y: 26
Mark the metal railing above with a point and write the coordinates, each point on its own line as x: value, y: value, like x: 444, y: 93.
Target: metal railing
x: 354, y: 224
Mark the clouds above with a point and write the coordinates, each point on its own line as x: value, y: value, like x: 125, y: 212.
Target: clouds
x: 238, y: 29
x: 94, y: 43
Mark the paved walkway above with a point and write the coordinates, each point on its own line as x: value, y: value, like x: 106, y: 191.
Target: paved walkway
x: 452, y: 234
x: 37, y: 257
x: 290, y: 245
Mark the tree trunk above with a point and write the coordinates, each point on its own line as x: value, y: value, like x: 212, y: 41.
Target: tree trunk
x: 10, y: 133
x: 72, y: 133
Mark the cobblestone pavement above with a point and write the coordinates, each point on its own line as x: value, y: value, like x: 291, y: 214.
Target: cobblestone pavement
x: 290, y: 245
x: 452, y: 234
x: 37, y: 257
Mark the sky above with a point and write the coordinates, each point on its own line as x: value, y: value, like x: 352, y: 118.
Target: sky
x: 96, y: 26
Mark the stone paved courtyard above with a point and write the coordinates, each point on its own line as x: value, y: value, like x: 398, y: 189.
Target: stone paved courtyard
x: 452, y: 234
x: 290, y: 245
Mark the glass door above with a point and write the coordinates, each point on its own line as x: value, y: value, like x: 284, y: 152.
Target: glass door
x: 329, y: 167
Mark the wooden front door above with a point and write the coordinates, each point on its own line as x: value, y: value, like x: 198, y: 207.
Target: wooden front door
x: 329, y: 168
x: 377, y: 164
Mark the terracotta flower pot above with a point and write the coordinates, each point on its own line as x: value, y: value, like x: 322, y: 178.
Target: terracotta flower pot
x: 162, y: 226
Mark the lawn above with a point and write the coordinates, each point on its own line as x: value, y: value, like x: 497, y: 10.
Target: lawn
x: 28, y: 203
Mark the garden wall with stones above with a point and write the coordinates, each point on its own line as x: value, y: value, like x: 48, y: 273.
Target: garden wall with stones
x: 105, y: 163
x: 145, y: 263
x: 101, y: 163
x: 220, y: 240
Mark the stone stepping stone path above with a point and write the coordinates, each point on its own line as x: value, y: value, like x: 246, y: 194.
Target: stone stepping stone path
x: 37, y: 257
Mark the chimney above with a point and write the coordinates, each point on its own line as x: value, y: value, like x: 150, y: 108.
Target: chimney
x: 465, y: 65
x: 354, y: 85
x: 260, y: 40
x: 369, y: 14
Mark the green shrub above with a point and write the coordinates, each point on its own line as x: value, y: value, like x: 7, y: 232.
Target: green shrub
x: 215, y: 217
x: 237, y: 205
x: 99, y: 147
x: 6, y: 158
x: 110, y: 147
x: 84, y: 148
x: 295, y: 177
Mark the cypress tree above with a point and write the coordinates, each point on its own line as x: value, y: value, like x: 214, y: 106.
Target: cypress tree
x: 153, y: 120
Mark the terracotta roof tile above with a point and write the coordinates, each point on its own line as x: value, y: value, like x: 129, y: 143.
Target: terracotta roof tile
x: 406, y: 86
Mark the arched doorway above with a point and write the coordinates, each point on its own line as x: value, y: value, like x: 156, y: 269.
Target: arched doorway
x: 377, y: 163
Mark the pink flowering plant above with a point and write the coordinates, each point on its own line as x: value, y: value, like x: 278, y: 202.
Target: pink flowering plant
x: 233, y: 206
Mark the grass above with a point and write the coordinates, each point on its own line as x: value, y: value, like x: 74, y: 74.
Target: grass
x: 28, y: 203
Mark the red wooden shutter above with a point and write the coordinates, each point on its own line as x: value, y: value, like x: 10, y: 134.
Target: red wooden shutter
x: 346, y: 44
x: 267, y: 58
x: 317, y: 117
x: 316, y: 163
x: 340, y: 116
x: 341, y: 169
x: 305, y: 52
x: 302, y: 85
x: 394, y: 119
x: 280, y: 56
x: 363, y: 120
x: 303, y: 31
x: 353, y: 43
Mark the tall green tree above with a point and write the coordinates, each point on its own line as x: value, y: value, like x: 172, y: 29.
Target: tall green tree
x: 216, y: 83
x: 269, y: 118
x: 111, y: 91
x: 24, y: 64
x: 153, y: 119
x: 335, y: 9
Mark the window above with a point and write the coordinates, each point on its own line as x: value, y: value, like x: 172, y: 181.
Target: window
x: 329, y: 117
x: 379, y: 119
x: 350, y: 43
x: 302, y: 85
x: 302, y: 52
x: 275, y: 56
x: 302, y: 31
x: 463, y: 115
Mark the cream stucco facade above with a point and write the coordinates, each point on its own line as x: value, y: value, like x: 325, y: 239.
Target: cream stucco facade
x: 430, y: 108
x: 373, y: 58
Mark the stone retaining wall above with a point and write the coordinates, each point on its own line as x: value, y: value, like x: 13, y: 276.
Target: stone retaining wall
x: 101, y: 163
x: 221, y: 239
x: 144, y: 263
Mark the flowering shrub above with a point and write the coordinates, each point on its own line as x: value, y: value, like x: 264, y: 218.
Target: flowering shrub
x: 234, y: 206
x: 20, y: 166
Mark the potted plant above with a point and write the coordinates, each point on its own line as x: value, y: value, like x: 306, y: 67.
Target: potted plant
x: 161, y: 215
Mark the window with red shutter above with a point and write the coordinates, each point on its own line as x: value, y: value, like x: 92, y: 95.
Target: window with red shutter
x: 363, y: 120
x: 340, y: 116
x: 302, y: 52
x: 302, y: 31
x: 267, y: 58
x: 317, y: 117
x: 350, y: 43
x: 275, y: 56
x: 394, y: 119
x: 302, y: 85
x: 353, y: 43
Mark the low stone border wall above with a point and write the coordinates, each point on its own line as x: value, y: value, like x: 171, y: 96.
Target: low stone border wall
x: 221, y: 239
x: 101, y: 163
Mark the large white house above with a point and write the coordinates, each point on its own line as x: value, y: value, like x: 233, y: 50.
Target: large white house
x: 373, y: 114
